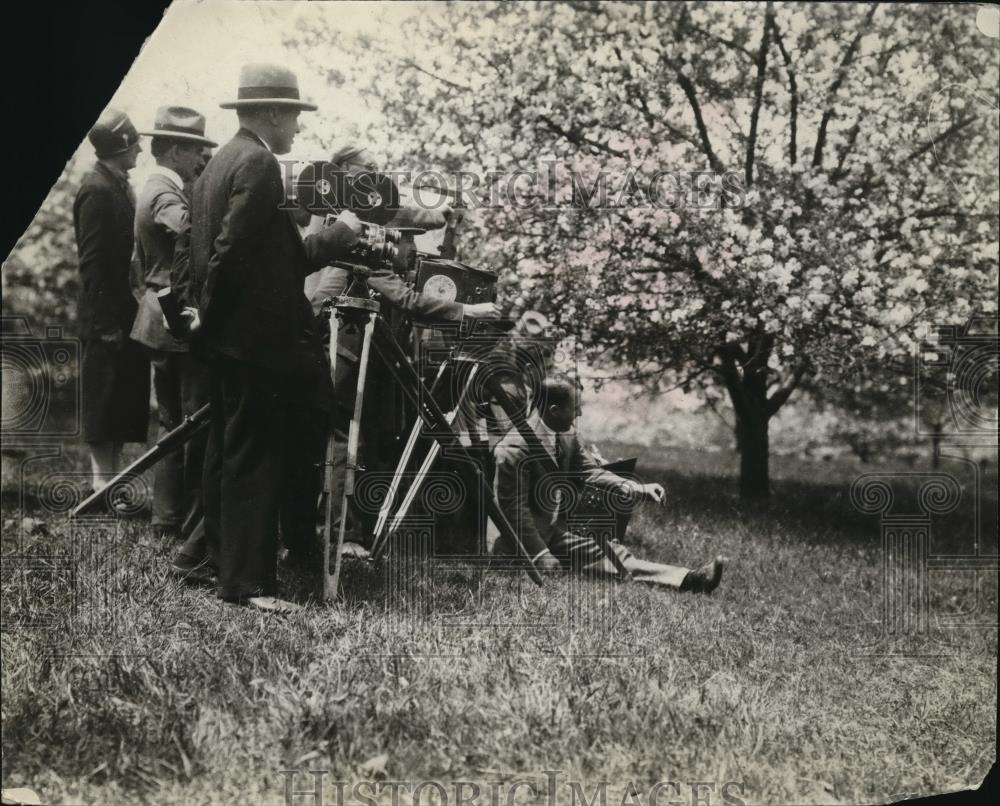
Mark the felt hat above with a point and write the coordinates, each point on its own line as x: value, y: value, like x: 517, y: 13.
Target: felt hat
x: 180, y: 123
x: 267, y: 85
x: 112, y: 134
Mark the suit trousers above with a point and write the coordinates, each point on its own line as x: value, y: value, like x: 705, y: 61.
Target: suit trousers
x: 580, y: 552
x: 181, y: 386
x: 243, y: 478
x: 302, y: 481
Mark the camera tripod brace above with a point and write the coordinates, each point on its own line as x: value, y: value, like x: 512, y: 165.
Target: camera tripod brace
x: 494, y: 386
x: 357, y: 308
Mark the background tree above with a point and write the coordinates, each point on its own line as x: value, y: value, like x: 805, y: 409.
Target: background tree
x: 861, y: 213
x: 40, y: 277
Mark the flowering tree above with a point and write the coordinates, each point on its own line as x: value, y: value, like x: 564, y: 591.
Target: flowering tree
x: 858, y: 212
x: 833, y: 178
x: 40, y: 277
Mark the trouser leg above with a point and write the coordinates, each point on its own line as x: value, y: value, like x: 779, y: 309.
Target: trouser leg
x: 653, y: 573
x: 583, y: 554
x: 253, y: 426
x: 211, y: 480
x: 194, y: 395
x: 303, y: 479
x: 168, y: 483
x: 198, y: 464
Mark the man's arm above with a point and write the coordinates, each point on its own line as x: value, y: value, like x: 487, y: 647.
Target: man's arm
x: 398, y: 293
x: 329, y: 244
x: 513, y: 487
x: 594, y: 474
x: 170, y: 211
x: 180, y: 271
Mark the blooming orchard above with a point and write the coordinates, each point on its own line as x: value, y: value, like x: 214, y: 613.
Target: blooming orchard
x: 865, y: 139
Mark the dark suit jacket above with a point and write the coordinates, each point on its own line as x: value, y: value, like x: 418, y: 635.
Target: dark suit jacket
x: 247, y: 261
x: 102, y: 219
x: 526, y: 487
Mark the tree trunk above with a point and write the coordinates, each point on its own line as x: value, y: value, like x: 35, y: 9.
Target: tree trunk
x: 755, y: 479
x: 936, y: 435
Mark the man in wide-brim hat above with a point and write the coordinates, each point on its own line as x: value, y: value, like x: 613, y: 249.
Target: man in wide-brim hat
x: 179, y: 380
x: 114, y: 371
x: 246, y: 267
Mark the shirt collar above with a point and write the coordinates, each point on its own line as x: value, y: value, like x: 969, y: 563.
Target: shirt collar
x: 170, y: 174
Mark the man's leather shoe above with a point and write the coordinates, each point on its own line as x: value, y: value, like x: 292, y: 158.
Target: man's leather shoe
x: 706, y: 578
x: 272, y: 604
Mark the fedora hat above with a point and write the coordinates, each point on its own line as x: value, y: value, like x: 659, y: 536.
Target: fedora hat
x: 112, y: 134
x: 267, y: 85
x: 179, y: 123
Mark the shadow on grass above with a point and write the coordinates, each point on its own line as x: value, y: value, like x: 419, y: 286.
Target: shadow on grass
x: 812, y: 500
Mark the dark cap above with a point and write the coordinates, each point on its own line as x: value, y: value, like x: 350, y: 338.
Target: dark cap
x: 112, y: 134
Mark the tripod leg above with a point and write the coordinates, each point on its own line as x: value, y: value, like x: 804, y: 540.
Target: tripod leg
x: 335, y: 324
x: 351, y: 467
x: 397, y: 478
x: 432, y: 415
x: 432, y: 455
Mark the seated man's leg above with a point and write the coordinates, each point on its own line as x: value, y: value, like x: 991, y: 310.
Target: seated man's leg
x: 582, y: 553
x: 669, y: 576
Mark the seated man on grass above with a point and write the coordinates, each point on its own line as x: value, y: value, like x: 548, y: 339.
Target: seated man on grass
x: 531, y: 490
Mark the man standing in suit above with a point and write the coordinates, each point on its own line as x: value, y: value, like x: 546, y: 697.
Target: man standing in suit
x: 533, y: 495
x: 179, y: 381
x: 246, y: 267
x: 114, y: 370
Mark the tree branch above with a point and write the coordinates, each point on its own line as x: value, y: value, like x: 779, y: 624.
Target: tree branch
x: 758, y: 90
x: 729, y: 43
x: 577, y: 137
x: 793, y: 91
x: 841, y: 75
x: 417, y: 67
x: 955, y: 127
x: 784, y: 391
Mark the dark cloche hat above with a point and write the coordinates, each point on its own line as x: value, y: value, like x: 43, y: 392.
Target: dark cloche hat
x: 112, y: 134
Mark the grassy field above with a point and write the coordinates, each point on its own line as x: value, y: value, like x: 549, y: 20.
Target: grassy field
x: 122, y: 686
